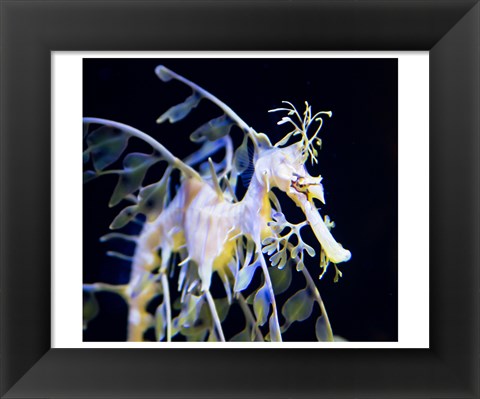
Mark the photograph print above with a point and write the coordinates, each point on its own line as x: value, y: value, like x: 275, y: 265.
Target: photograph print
x: 240, y: 200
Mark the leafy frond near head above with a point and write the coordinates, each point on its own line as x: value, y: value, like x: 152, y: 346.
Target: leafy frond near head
x: 303, y: 125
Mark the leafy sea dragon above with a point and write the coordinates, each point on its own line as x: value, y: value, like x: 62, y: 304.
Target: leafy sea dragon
x: 204, y: 228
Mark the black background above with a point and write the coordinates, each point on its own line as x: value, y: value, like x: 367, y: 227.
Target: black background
x: 358, y: 162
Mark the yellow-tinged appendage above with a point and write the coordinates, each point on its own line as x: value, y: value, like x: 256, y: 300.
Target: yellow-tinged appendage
x: 266, y: 215
x: 222, y: 260
x: 178, y: 241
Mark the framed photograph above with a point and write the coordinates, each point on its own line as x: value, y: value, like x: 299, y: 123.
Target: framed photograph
x: 302, y: 201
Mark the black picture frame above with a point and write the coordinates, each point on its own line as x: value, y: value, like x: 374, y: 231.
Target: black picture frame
x: 30, y: 30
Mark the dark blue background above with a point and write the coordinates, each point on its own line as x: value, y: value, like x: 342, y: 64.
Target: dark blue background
x: 358, y: 162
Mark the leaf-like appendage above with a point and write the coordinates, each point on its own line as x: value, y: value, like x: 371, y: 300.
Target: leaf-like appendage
x: 279, y: 218
x: 250, y: 252
x: 106, y: 144
x: 311, y: 252
x: 244, y: 276
x: 242, y: 336
x: 281, y: 279
x: 321, y: 330
x: 194, y: 320
x: 125, y: 216
x: 212, y: 130
x: 88, y: 175
x: 160, y: 322
x: 249, y: 299
x: 298, y: 307
x: 180, y: 111
x: 195, y: 335
x: 279, y: 223
x: 300, y: 247
x: 280, y: 259
x: 300, y: 265
x: 275, y: 335
x: 212, y: 336
x: 135, y: 167
x: 284, y: 140
x: 224, y: 275
x: 90, y: 308
x: 271, y: 245
x: 222, y: 305
x: 163, y: 73
x: 261, y: 305
x: 191, y: 308
x: 152, y: 198
x: 280, y: 246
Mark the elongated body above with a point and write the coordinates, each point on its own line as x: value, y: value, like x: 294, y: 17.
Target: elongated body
x: 205, y: 229
x: 202, y: 223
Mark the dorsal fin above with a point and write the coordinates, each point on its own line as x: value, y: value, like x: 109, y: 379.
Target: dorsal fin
x: 245, y: 159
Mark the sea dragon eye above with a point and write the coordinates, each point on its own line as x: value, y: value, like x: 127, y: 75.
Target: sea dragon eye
x: 301, y: 186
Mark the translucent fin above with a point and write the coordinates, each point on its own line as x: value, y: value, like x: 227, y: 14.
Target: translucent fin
x: 243, y: 161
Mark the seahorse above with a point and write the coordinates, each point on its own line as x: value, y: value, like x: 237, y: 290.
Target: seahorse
x: 204, y: 228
